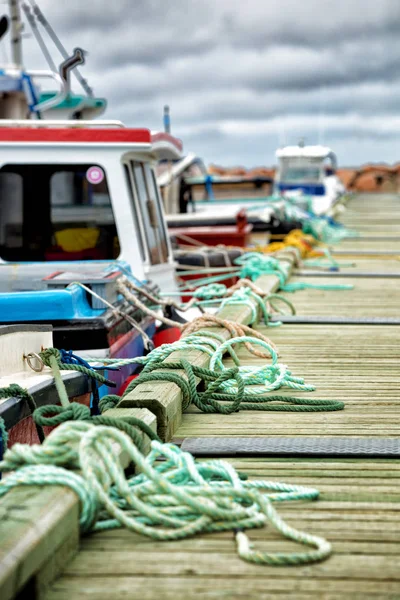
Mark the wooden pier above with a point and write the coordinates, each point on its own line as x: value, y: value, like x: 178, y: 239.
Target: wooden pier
x: 42, y: 557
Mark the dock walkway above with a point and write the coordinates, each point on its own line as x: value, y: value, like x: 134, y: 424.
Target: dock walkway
x: 359, y: 507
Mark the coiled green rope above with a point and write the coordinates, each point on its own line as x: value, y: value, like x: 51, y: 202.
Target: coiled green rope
x: 226, y: 390
x: 3, y: 434
x: 245, y: 295
x: 54, y: 415
x: 254, y: 265
x: 170, y: 499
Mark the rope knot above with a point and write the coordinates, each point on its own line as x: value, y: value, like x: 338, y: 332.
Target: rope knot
x: 53, y: 414
x: 47, y: 353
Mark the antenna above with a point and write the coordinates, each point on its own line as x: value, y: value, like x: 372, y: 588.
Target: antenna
x: 16, y: 29
x: 321, y: 118
x: 167, y: 119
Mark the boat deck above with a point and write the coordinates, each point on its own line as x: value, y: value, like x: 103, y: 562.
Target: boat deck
x: 359, y: 507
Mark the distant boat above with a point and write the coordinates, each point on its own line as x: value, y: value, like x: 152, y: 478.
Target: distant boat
x: 307, y: 175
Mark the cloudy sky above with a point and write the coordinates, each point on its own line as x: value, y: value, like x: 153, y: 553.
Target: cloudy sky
x: 243, y: 77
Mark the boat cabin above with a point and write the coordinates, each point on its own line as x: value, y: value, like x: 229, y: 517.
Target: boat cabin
x: 304, y: 167
x: 309, y: 170
x: 76, y: 190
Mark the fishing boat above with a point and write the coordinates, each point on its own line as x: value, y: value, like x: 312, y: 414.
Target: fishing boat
x: 88, y: 316
x: 20, y: 365
x: 307, y: 176
x: 93, y: 185
x: 212, y: 208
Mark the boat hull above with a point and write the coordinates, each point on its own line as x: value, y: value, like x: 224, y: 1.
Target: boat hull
x: 24, y: 432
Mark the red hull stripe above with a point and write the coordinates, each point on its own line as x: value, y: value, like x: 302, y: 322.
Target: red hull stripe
x: 75, y: 135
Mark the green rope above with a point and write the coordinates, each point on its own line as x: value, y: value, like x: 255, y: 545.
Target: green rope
x: 51, y: 358
x: 171, y: 499
x: 213, y: 290
x: 227, y: 390
x: 255, y: 265
x: 302, y: 285
x: 53, y: 415
x: 242, y: 297
x: 247, y: 297
x: 3, y: 434
x: 16, y: 391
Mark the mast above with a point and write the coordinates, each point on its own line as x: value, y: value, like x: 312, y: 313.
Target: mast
x: 167, y: 119
x: 16, y: 28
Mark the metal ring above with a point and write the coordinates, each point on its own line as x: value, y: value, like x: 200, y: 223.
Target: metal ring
x: 34, y: 355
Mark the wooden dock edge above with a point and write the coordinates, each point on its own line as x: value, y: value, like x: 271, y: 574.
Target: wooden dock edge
x: 39, y: 528
x: 39, y: 531
x: 164, y: 399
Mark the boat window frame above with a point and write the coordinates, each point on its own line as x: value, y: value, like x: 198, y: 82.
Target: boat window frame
x: 139, y: 204
x: 136, y: 211
x: 149, y: 173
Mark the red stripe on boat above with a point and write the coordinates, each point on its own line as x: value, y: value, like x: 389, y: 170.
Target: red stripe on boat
x: 75, y: 135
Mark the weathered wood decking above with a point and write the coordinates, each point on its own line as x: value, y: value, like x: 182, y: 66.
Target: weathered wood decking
x: 359, y: 508
x: 359, y: 511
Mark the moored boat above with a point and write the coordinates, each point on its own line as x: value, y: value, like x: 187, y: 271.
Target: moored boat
x: 307, y: 176
x: 21, y: 366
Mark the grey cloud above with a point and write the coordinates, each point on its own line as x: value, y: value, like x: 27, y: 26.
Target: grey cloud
x: 226, y: 61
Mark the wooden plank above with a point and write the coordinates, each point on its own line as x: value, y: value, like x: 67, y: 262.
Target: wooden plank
x: 224, y: 586
x: 165, y: 399
x: 368, y: 298
x: 357, y: 364
x: 36, y: 525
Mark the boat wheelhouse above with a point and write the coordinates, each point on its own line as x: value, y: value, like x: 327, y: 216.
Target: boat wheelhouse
x: 308, y: 174
x: 73, y: 191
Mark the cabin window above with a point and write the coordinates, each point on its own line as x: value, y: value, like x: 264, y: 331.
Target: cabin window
x: 299, y: 174
x: 153, y: 223
x: 56, y: 212
x: 301, y: 170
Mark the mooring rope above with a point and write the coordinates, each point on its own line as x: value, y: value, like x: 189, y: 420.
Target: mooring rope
x: 170, y: 499
x: 254, y: 265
